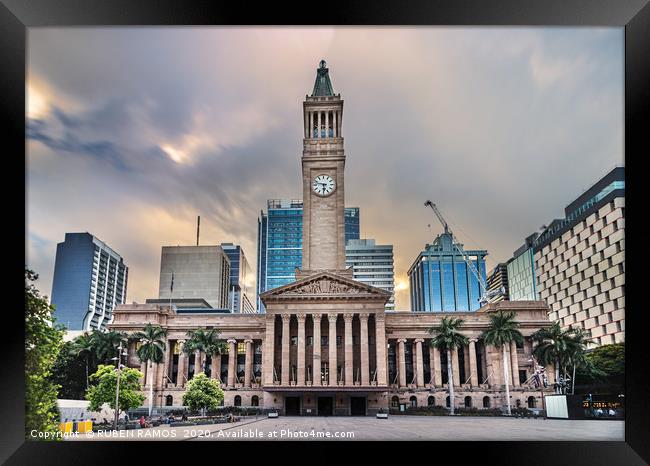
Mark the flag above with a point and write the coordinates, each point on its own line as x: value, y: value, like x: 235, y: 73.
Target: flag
x: 171, y: 288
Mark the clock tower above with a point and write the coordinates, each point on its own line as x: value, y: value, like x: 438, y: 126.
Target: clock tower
x: 323, y: 161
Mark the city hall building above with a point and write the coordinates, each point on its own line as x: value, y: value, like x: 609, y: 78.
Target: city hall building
x: 326, y: 344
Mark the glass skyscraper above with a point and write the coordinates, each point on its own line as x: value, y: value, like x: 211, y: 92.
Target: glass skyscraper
x: 241, y: 277
x: 372, y: 264
x: 279, y: 242
x: 441, y: 281
x: 89, y: 281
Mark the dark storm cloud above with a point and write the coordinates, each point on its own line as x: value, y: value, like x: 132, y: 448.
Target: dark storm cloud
x: 134, y: 132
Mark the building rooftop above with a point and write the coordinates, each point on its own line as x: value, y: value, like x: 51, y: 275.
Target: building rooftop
x: 323, y: 85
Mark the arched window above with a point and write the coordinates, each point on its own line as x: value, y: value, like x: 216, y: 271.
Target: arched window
x: 447, y: 402
x: 486, y: 401
x: 468, y: 401
x: 255, y: 400
x: 394, y: 402
x: 414, y: 402
x: 238, y: 400
x: 169, y: 400
x: 531, y: 401
x: 431, y: 401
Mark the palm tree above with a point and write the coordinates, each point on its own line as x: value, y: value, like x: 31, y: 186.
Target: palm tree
x: 447, y: 337
x: 562, y: 347
x: 206, y: 341
x: 106, y: 344
x: 151, y: 351
x: 503, y: 329
x: 84, y: 346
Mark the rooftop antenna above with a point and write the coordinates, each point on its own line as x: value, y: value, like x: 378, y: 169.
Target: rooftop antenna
x: 198, y: 228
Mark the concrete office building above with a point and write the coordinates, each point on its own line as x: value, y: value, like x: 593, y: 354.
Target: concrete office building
x: 580, y: 261
x: 279, y: 242
x: 242, y: 290
x: 198, y: 272
x: 372, y: 264
x: 89, y: 281
x: 441, y: 281
x: 326, y: 344
x: 521, y: 273
x: 497, y: 280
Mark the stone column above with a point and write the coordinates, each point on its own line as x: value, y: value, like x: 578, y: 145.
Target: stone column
x: 515, y: 364
x: 316, y: 351
x: 311, y: 125
x: 301, y: 349
x: 286, y: 342
x: 364, y: 347
x: 232, y: 361
x: 164, y: 370
x: 332, y: 347
x: 327, y: 124
x: 307, y: 125
x: 319, y: 123
x: 335, y: 125
x: 349, y: 376
x: 402, y: 361
x: 180, y: 374
x: 380, y: 348
x: 472, y: 363
x: 437, y: 369
x: 248, y: 366
x: 197, y: 362
x: 455, y: 368
x: 269, y: 349
x: 340, y: 121
x: 215, y: 367
x: 419, y: 362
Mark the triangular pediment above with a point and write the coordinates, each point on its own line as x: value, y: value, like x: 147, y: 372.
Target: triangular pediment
x: 325, y: 285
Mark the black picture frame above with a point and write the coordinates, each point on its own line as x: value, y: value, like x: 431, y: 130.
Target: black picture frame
x: 633, y: 15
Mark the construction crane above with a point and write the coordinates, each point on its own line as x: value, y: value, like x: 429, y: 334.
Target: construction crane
x: 485, y: 294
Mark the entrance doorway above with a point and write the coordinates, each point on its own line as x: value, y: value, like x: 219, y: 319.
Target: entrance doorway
x: 292, y: 406
x: 325, y: 405
x: 358, y: 406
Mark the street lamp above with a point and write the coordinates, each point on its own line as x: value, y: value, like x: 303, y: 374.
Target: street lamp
x: 118, y: 359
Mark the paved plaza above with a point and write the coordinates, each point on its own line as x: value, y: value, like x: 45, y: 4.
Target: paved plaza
x: 394, y: 428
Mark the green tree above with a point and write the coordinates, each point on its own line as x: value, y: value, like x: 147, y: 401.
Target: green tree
x: 204, y: 341
x: 447, y: 337
x: 43, y: 341
x: 604, y: 370
x: 151, y: 351
x: 202, y: 393
x: 502, y: 330
x: 84, y: 346
x: 106, y: 344
x: 105, y: 385
x: 561, y: 348
x: 69, y: 372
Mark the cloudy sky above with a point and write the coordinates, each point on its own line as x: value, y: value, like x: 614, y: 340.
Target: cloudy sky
x: 133, y: 132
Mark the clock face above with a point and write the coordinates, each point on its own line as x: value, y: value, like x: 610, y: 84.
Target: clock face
x: 323, y: 185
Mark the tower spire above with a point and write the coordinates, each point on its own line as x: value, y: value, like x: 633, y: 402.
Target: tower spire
x: 323, y: 85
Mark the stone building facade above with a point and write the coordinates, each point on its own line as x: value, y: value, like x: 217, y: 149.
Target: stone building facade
x: 370, y: 343
x: 326, y: 345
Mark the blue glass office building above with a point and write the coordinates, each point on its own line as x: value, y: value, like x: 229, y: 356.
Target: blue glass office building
x: 279, y: 242
x: 89, y: 281
x: 441, y: 281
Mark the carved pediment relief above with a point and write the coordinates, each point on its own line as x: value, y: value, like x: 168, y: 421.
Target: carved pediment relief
x: 326, y: 285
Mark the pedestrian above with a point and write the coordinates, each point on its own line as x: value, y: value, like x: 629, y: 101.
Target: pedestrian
x: 142, y: 422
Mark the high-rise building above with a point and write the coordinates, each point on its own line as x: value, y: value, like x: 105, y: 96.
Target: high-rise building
x: 195, y: 272
x: 441, y: 281
x: 279, y: 242
x: 521, y: 273
x: 497, y: 280
x: 372, y: 264
x: 89, y: 281
x: 242, y: 291
x: 580, y: 261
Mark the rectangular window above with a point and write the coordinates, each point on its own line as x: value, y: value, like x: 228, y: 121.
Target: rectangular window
x: 294, y: 341
x: 241, y: 348
x: 310, y: 340
x: 339, y: 341
x: 323, y: 341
